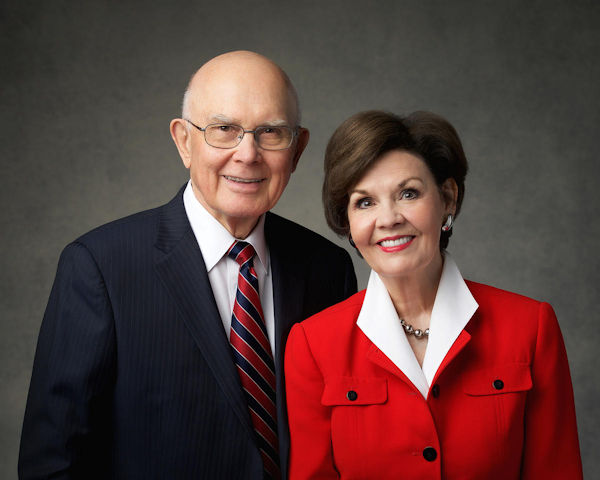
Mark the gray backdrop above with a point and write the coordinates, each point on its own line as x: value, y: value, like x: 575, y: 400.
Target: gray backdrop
x: 88, y: 90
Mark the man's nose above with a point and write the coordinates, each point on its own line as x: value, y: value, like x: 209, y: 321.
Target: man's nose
x: 247, y: 149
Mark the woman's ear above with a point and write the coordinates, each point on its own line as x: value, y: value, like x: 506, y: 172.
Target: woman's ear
x: 449, y: 191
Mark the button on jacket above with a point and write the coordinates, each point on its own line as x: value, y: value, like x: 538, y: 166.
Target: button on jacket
x: 492, y: 401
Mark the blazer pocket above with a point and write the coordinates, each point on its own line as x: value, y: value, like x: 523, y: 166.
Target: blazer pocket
x: 354, y: 391
x: 509, y: 378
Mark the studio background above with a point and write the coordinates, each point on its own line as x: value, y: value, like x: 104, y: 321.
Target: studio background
x: 88, y: 90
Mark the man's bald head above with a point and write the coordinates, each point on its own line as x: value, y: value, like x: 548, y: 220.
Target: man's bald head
x: 242, y: 67
x: 238, y: 184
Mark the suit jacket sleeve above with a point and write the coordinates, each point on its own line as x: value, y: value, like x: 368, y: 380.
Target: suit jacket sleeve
x: 350, y: 284
x: 311, y: 454
x: 72, y: 376
x: 551, y: 447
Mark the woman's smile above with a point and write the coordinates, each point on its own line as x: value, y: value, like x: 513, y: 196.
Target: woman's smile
x: 395, y: 244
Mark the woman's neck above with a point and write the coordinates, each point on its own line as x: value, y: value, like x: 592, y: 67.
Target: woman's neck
x: 413, y: 295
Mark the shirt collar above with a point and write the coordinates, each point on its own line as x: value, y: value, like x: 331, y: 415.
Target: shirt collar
x: 215, y: 245
x: 452, y: 309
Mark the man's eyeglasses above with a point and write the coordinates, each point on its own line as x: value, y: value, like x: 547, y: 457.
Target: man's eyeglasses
x: 224, y: 135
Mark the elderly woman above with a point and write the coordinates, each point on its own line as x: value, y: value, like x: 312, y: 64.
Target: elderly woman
x: 423, y: 374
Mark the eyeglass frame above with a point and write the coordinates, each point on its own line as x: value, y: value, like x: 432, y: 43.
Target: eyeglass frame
x: 244, y: 132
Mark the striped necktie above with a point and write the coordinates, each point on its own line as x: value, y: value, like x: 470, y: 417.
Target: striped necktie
x: 253, y: 357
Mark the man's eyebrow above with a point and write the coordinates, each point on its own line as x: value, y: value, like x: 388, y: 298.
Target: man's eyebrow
x: 276, y: 123
x: 220, y: 118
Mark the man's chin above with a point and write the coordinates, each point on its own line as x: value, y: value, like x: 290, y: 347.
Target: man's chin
x: 241, y: 219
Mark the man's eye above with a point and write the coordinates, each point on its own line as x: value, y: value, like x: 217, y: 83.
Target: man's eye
x: 271, y: 131
x: 225, y: 128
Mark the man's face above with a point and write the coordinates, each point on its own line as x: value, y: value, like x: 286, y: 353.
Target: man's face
x: 239, y: 184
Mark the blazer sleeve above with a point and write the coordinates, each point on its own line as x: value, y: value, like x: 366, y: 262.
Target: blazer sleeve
x: 551, y: 449
x: 66, y: 414
x: 311, y: 454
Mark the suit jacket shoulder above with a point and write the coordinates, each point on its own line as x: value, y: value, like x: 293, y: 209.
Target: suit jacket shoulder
x: 496, y: 296
x: 310, y: 273
x: 342, y: 316
x: 332, y: 333
x: 124, y: 234
x: 299, y: 239
x: 502, y: 314
x: 137, y: 238
x: 140, y: 220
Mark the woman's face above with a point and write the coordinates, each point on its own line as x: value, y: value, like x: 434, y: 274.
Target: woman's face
x: 396, y: 212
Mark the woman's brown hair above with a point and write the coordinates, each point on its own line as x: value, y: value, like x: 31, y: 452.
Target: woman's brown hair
x: 363, y: 138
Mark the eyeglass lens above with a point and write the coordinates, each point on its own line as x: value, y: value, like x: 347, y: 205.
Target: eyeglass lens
x: 267, y: 137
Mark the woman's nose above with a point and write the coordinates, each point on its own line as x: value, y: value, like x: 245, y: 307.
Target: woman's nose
x: 389, y: 215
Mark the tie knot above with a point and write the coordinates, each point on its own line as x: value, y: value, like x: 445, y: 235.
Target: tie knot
x: 241, y: 252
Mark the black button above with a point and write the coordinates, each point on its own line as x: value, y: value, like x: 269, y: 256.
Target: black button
x: 351, y: 395
x: 498, y: 384
x: 429, y: 454
x: 435, y: 391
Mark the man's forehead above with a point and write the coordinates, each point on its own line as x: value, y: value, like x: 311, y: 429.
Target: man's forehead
x: 248, y: 89
x: 243, y: 105
x: 241, y: 88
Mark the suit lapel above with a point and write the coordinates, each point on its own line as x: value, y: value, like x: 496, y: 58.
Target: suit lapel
x: 288, y: 282
x: 289, y: 287
x: 181, y: 268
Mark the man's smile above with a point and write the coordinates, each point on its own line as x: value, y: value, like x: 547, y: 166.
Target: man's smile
x: 243, y: 180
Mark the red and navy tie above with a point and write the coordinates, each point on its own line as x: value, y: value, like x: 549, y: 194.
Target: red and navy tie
x: 253, y: 357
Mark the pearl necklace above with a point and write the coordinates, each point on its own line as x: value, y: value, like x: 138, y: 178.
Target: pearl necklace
x: 408, y: 328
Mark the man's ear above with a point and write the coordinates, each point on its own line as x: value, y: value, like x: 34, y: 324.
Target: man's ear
x: 301, y: 142
x: 450, y: 195
x: 181, y: 136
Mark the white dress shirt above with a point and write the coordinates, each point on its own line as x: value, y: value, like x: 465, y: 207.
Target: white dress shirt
x: 214, y: 240
x: 453, y: 308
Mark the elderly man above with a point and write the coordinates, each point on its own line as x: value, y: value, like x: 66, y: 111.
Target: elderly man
x: 160, y: 353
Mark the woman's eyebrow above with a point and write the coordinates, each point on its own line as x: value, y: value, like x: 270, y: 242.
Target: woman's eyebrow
x: 402, y: 184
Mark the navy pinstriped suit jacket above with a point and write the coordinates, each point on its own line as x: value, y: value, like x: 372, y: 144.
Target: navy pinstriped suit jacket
x: 133, y: 376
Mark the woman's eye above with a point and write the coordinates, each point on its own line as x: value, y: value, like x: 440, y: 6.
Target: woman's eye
x: 364, y: 203
x: 409, y: 194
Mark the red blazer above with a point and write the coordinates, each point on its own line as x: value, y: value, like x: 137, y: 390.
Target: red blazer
x: 500, y: 405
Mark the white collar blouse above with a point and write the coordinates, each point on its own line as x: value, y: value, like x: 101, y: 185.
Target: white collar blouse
x: 452, y: 309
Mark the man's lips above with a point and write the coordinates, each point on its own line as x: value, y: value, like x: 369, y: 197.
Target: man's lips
x: 243, y: 180
x: 395, y: 244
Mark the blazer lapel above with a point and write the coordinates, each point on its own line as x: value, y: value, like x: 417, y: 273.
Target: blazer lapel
x: 463, y: 338
x: 375, y: 355
x: 181, y: 268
